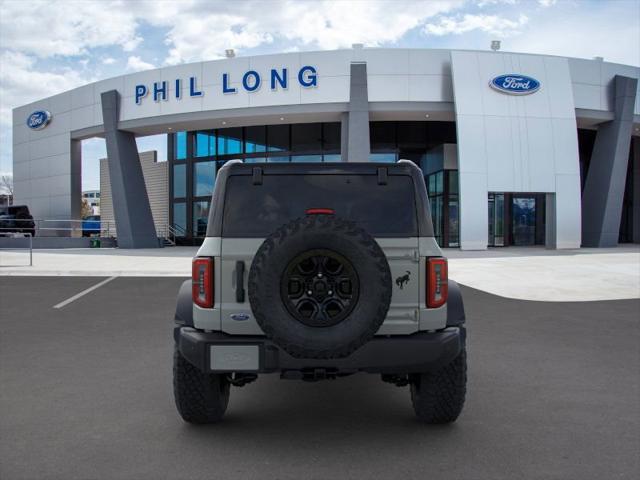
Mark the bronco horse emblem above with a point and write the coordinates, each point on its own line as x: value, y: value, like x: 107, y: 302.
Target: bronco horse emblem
x: 401, y: 281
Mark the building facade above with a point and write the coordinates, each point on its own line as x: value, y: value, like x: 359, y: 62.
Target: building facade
x: 516, y: 149
x: 92, y: 197
x: 156, y: 182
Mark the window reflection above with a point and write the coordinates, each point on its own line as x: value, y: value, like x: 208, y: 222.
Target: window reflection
x: 255, y: 139
x: 230, y: 141
x: 205, y: 144
x: 179, y: 181
x: 180, y: 149
x: 204, y: 178
x: 200, y: 218
x: 180, y: 216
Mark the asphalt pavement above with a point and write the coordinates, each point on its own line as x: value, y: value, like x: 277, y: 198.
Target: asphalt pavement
x: 85, y: 393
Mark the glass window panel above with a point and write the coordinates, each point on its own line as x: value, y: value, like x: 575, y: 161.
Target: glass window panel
x: 254, y: 211
x: 204, y: 177
x: 382, y: 157
x: 179, y: 181
x: 255, y: 160
x: 431, y: 185
x: 283, y: 159
x: 453, y: 182
x: 331, y: 136
x: 454, y: 228
x: 278, y: 138
x: 439, y: 182
x: 255, y: 139
x: 332, y: 157
x: 383, y: 135
x: 205, y: 144
x: 306, y: 137
x: 306, y: 158
x: 230, y: 141
x: 180, y: 216
x: 200, y: 218
x: 180, y: 144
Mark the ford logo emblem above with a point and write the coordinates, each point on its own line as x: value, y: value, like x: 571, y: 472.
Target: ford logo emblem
x: 240, y: 317
x: 38, y: 120
x: 515, y: 84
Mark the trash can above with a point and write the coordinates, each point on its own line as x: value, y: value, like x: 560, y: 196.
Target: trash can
x: 94, y: 243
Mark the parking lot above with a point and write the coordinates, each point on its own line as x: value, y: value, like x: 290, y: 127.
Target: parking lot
x: 85, y: 393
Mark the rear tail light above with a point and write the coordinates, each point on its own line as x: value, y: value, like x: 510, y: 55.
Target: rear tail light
x: 437, y: 282
x: 320, y: 211
x: 202, y: 281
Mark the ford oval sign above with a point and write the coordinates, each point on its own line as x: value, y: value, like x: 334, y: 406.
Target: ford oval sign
x: 515, y: 84
x: 38, y: 120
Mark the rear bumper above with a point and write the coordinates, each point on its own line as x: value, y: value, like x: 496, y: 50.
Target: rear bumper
x: 399, y: 354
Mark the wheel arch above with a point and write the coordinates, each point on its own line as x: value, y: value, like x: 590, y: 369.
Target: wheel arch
x: 455, y: 306
x: 184, y: 305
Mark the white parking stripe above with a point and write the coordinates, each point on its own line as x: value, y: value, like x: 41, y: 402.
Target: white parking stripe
x: 83, y: 293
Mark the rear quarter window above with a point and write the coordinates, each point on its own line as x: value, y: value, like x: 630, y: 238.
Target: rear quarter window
x: 257, y: 210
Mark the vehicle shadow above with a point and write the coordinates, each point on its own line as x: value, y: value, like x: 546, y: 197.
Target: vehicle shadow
x: 277, y: 415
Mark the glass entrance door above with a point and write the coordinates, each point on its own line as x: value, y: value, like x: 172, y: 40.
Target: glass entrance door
x: 496, y: 219
x: 523, y: 214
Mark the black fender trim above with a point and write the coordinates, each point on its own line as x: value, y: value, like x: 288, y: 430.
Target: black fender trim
x: 455, y: 306
x: 184, y: 306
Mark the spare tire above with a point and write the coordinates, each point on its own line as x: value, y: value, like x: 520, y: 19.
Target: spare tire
x: 320, y: 287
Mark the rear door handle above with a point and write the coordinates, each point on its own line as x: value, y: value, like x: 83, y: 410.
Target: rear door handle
x: 240, y: 281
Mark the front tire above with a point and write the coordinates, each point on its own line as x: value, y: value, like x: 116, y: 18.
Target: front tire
x: 200, y: 397
x: 438, y: 397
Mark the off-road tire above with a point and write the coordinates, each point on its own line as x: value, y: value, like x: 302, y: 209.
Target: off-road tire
x: 200, y: 397
x: 438, y: 397
x: 344, y: 238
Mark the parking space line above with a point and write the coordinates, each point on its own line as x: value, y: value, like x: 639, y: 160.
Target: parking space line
x: 83, y: 293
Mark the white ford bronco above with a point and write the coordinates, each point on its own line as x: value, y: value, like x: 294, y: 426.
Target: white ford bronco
x: 319, y: 271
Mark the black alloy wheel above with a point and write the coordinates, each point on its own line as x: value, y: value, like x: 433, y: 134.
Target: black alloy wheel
x: 320, y: 288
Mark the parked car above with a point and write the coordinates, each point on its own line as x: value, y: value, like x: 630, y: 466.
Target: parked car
x: 17, y: 219
x: 91, y: 225
x: 317, y: 272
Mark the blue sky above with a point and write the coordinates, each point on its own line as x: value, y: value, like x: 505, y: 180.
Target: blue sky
x: 47, y: 47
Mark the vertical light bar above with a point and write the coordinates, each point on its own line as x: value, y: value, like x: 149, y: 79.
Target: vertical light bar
x: 437, y: 282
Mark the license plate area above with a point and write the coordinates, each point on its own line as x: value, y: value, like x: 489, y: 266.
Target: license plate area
x: 234, y: 358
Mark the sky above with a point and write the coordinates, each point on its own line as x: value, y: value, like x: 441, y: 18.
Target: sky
x: 47, y: 47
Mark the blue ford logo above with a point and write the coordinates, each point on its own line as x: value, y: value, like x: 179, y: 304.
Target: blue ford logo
x: 240, y: 317
x: 38, y: 120
x: 515, y: 84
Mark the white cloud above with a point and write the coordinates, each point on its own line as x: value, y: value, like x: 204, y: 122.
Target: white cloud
x: 583, y: 34
x: 46, y: 29
x: 491, y: 24
x: 547, y: 3
x: 135, y: 64
x: 108, y: 61
x: 22, y: 83
x: 203, y: 30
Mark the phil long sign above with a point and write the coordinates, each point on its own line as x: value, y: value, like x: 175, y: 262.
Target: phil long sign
x: 251, y: 81
x: 515, y: 84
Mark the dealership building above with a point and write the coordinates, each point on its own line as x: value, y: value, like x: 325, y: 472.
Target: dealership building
x: 516, y: 149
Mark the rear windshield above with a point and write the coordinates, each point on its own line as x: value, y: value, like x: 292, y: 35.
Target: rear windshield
x: 257, y: 210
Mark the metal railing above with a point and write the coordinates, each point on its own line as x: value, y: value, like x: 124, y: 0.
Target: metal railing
x: 172, y: 232
x: 16, y: 236
x: 57, y: 228
x: 78, y: 228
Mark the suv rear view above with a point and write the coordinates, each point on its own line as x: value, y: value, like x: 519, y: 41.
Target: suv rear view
x: 317, y: 271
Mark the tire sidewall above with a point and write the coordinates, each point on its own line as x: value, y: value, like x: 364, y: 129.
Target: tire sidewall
x: 338, y: 236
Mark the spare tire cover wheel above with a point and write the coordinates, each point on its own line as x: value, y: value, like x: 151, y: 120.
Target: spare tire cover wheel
x: 320, y: 287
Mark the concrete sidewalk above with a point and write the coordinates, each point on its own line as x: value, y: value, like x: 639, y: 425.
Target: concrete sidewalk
x: 521, y: 273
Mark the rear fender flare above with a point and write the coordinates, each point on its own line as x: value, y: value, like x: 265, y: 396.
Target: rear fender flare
x: 184, y: 305
x: 455, y: 306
